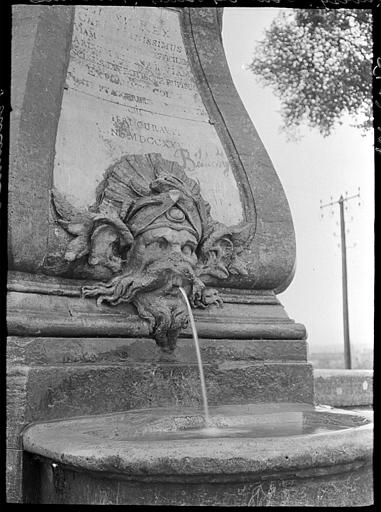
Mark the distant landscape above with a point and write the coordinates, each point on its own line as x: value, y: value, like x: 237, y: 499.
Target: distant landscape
x: 327, y: 358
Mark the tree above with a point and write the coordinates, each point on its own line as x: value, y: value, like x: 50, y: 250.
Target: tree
x: 319, y: 63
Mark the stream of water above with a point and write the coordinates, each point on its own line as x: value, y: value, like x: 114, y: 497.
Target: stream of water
x: 197, y: 345
x: 274, y: 420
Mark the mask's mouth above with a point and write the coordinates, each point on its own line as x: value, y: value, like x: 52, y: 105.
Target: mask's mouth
x: 177, y: 281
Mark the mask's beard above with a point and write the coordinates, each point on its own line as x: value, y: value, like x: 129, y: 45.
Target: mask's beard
x: 122, y: 288
x: 153, y: 289
x: 166, y: 315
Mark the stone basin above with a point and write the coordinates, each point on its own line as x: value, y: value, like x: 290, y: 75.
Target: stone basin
x: 274, y: 453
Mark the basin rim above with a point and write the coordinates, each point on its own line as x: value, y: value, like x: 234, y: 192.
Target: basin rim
x: 191, y: 460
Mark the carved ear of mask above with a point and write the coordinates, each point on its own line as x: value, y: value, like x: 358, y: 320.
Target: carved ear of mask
x: 219, y: 253
x: 215, y: 256
x: 102, y: 245
x: 105, y: 236
x: 80, y: 245
x: 108, y: 235
x: 241, y: 235
x: 95, y: 234
x: 74, y: 221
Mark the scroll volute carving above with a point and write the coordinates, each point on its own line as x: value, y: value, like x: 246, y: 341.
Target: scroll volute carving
x: 151, y: 227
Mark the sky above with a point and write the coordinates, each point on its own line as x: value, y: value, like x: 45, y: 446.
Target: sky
x: 312, y: 169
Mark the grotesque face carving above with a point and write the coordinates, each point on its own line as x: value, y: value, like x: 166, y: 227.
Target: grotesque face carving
x: 160, y: 260
x: 172, y: 251
x: 210, y: 296
x: 164, y: 229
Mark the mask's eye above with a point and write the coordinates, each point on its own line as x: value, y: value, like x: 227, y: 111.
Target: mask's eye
x: 163, y: 243
x: 160, y: 243
x: 187, y: 249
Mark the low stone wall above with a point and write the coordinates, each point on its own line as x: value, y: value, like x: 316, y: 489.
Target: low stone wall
x: 344, y: 388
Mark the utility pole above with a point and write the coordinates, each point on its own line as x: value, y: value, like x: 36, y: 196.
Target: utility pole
x: 344, y: 274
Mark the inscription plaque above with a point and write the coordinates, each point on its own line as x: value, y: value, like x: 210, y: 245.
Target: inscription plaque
x: 130, y: 90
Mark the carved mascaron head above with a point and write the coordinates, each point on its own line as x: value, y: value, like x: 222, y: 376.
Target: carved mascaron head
x: 152, y: 228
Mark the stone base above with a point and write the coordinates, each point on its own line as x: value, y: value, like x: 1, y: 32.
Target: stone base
x: 64, y: 486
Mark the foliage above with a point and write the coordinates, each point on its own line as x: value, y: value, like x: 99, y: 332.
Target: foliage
x: 319, y: 63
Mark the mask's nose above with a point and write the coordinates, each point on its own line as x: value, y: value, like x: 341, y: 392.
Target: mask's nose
x: 176, y: 253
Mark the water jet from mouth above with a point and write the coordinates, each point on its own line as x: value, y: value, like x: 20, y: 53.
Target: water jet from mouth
x: 199, y: 360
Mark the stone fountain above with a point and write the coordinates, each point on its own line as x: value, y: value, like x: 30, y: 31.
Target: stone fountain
x: 135, y: 170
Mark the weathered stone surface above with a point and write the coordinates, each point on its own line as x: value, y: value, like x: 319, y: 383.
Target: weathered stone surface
x: 25, y: 282
x: 59, y: 391
x: 40, y: 45
x: 130, y: 90
x: 353, y: 488
x: 23, y: 477
x: 47, y: 351
x: 14, y: 484
x: 274, y: 243
x: 17, y: 388
x: 344, y: 388
x: 17, y: 384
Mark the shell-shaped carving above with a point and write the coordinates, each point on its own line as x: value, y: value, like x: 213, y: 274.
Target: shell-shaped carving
x: 136, y: 176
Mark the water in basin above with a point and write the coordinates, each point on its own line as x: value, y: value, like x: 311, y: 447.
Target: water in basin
x: 229, y: 421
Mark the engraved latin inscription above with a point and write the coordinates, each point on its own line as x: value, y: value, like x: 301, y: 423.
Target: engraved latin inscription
x: 130, y: 90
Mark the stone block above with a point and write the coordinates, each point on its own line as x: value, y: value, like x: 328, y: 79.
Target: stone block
x: 49, y: 351
x: 17, y: 383
x: 65, y: 390
x: 344, y: 388
x: 14, y: 484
